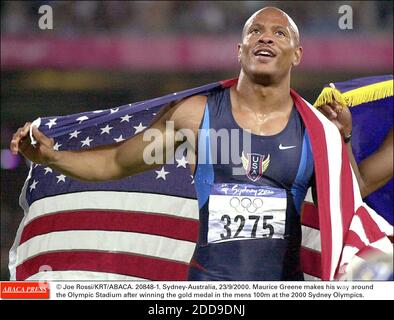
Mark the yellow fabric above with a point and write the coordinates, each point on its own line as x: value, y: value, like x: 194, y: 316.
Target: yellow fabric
x: 357, y: 96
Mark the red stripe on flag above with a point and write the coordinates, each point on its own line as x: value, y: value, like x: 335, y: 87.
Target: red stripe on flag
x: 368, y: 251
x: 228, y: 83
x: 353, y: 240
x: 370, y: 227
x: 149, y: 223
x: 310, y: 215
x: 118, y: 263
x: 310, y: 262
x: 317, y: 137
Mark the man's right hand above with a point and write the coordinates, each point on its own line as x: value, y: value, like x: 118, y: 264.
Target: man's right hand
x: 42, y: 152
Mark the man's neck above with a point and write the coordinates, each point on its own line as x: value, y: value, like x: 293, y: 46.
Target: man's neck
x: 263, y: 99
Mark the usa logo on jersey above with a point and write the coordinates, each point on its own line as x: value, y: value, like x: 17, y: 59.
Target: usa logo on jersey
x: 255, y: 165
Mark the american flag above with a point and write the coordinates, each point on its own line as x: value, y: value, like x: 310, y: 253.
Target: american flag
x: 140, y: 227
x: 145, y: 227
x: 371, y: 103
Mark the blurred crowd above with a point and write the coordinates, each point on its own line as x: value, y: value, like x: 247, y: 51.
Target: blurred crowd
x: 180, y: 17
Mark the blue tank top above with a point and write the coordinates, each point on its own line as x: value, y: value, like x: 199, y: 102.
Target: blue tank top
x: 250, y: 189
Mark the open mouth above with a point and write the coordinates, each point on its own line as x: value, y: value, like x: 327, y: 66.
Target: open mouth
x: 264, y: 53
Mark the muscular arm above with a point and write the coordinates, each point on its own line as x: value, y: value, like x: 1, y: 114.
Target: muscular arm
x: 109, y: 162
x: 377, y: 169
x: 117, y: 160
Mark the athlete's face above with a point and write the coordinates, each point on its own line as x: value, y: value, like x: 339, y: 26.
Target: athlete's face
x: 270, y: 45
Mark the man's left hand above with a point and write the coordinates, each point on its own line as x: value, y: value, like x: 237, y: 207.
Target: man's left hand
x: 339, y: 115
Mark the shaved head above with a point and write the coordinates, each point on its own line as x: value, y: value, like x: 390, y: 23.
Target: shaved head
x: 275, y: 11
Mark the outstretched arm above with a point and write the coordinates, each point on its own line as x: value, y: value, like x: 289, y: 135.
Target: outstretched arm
x: 113, y: 161
x: 376, y: 170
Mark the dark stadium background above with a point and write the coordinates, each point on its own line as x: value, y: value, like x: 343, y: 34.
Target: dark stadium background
x: 105, y: 54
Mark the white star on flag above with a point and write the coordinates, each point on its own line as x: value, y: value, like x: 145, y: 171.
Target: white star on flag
x: 126, y: 118
x: 61, y: 177
x: 74, y: 134
x: 114, y: 110
x: 56, y: 146
x: 47, y: 169
x: 106, y: 129
x: 86, y: 142
x: 191, y: 176
x: 162, y: 174
x: 33, y: 185
x: 119, y: 139
x: 51, y: 123
x: 181, y: 162
x: 139, y: 128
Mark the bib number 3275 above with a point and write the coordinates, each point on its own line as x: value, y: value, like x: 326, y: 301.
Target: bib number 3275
x: 238, y: 212
x: 241, y: 220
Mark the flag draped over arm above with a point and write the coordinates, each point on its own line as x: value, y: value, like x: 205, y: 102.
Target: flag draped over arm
x: 371, y: 104
x: 146, y: 226
x: 349, y: 229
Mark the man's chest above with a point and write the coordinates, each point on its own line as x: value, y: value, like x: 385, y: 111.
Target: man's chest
x: 262, y: 124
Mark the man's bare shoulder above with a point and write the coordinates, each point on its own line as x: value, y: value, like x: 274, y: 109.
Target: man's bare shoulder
x: 195, y: 102
x: 185, y: 114
x: 188, y: 113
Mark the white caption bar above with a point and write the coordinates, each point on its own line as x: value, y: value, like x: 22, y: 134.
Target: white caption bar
x: 183, y: 290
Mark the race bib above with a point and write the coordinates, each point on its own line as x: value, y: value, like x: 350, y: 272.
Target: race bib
x: 240, y: 212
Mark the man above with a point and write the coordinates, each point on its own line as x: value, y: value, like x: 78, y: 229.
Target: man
x: 249, y: 223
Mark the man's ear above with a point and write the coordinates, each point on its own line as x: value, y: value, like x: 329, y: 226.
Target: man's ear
x: 297, y: 56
